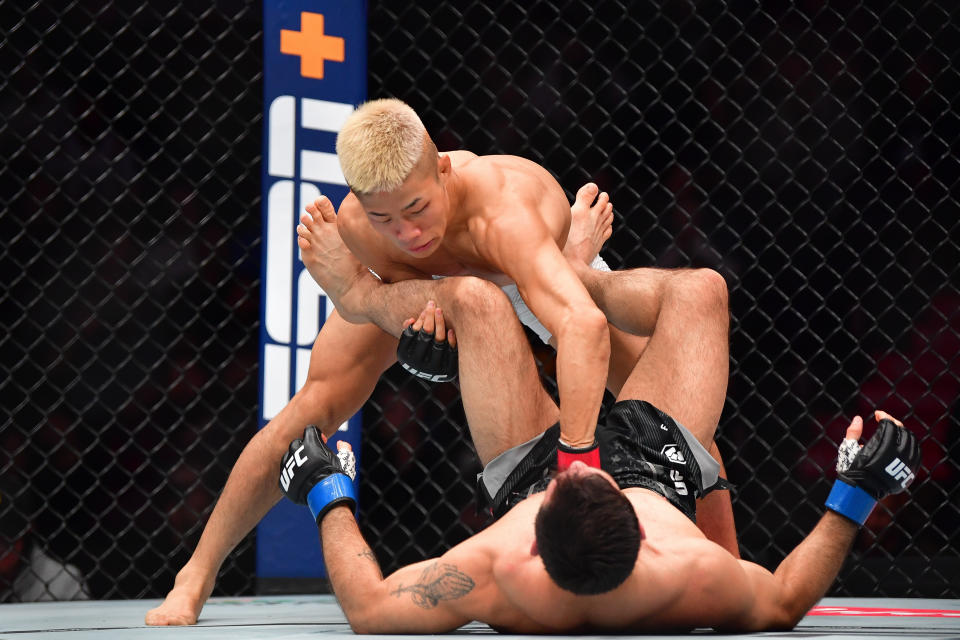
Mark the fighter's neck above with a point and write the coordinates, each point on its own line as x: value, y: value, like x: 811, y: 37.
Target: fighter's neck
x: 458, y: 195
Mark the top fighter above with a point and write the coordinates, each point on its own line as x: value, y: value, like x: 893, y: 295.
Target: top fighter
x: 413, y: 214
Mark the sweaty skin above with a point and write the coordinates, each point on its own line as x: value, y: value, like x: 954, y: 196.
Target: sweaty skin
x: 501, y: 218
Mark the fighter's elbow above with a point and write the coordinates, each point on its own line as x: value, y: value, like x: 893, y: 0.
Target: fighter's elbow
x: 361, y: 619
x: 584, y: 322
x: 782, y: 617
x: 359, y: 627
x: 779, y: 620
x: 792, y: 617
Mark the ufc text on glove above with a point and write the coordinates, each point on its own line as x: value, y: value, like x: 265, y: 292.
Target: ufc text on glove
x: 885, y: 465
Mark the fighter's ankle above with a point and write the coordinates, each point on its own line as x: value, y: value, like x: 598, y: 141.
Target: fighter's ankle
x: 194, y: 580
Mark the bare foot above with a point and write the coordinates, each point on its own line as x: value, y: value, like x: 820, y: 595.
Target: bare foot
x: 181, y: 606
x: 591, y: 224
x: 325, y: 255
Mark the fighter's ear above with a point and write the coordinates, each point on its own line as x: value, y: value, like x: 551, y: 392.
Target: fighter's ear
x: 443, y: 163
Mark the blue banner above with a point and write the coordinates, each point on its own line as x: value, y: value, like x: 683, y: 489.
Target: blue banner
x: 315, y: 75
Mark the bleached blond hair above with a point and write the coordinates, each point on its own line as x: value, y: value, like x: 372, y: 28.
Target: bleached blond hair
x: 380, y: 144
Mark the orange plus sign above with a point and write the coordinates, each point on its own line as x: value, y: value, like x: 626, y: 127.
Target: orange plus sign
x: 311, y: 45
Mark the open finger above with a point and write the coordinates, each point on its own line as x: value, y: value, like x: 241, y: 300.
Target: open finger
x: 440, y: 334
x: 883, y: 415
x: 429, y: 319
x: 419, y: 323
x: 855, y: 430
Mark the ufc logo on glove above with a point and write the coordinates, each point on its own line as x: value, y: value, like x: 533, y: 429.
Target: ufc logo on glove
x: 900, y: 471
x: 286, y: 474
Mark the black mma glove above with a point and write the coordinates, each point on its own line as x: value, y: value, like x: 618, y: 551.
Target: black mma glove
x: 312, y: 474
x: 885, y: 465
x: 426, y: 358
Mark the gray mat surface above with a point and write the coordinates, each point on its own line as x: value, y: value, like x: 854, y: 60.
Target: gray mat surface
x: 287, y: 617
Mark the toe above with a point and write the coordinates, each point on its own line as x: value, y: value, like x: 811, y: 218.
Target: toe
x: 325, y: 207
x: 587, y: 193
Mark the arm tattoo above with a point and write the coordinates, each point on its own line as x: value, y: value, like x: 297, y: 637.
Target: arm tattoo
x: 369, y: 555
x: 439, y: 581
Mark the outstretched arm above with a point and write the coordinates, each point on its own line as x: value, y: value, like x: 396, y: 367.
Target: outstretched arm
x: 885, y: 465
x: 782, y: 598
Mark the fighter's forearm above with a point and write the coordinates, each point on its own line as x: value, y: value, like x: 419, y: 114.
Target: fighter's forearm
x: 805, y: 575
x: 351, y: 565
x: 583, y: 355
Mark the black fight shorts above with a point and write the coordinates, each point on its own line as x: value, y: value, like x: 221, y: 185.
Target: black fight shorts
x: 640, y: 446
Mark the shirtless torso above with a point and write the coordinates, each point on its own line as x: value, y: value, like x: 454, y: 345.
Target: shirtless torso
x: 676, y: 566
x: 502, y: 218
x: 493, y: 195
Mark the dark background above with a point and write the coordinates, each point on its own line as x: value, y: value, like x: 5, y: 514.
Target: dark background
x: 805, y: 150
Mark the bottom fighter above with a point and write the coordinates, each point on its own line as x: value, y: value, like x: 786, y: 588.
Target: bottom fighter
x: 598, y: 550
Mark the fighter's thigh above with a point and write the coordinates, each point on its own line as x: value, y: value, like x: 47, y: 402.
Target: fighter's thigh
x: 685, y: 366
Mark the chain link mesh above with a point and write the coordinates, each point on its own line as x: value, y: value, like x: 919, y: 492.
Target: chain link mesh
x: 130, y: 224
x: 807, y: 151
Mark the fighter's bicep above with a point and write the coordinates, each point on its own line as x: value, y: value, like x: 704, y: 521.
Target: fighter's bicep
x: 426, y: 597
x: 756, y: 599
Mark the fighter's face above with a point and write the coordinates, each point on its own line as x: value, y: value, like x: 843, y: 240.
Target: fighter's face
x: 412, y: 217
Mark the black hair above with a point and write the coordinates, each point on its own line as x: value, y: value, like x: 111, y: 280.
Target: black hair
x: 588, y: 535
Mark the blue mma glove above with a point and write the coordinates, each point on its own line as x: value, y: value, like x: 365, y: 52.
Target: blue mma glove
x: 884, y: 466
x: 426, y: 358
x: 312, y: 474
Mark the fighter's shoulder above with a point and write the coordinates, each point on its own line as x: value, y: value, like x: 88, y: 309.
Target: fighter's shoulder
x: 720, y: 577
x: 510, y: 168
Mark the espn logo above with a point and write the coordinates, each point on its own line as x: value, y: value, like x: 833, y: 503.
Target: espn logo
x: 900, y: 471
x: 292, y: 299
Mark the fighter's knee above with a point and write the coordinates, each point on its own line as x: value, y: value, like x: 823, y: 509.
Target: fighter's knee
x: 476, y: 297
x: 708, y: 290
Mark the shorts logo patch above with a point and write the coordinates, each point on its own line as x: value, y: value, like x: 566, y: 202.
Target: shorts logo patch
x: 672, y: 453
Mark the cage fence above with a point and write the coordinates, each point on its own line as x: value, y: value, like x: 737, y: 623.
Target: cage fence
x: 806, y: 151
